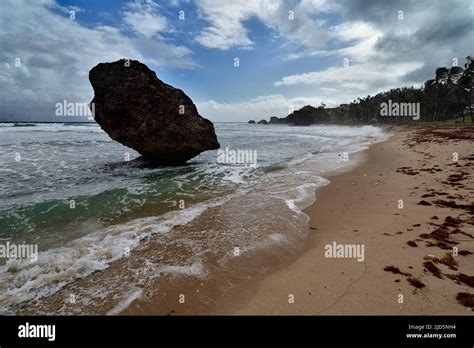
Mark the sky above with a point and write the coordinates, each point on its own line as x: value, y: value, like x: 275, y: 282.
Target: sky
x: 237, y: 60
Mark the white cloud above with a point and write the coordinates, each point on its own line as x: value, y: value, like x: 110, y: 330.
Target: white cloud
x: 361, y: 38
x: 227, y: 21
x: 357, y: 42
x: 143, y: 17
x: 359, y: 75
x: 256, y: 109
x: 57, y: 53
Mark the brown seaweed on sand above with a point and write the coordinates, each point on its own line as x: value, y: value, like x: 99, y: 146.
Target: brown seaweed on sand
x: 449, y: 261
x: 454, y: 205
x: 430, y: 266
x: 396, y: 270
x: 462, y: 278
x: 416, y: 283
x: 441, y: 236
x: 465, y: 299
x: 452, y: 222
x: 407, y: 171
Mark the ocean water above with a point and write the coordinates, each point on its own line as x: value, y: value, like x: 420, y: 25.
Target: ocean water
x: 87, y: 201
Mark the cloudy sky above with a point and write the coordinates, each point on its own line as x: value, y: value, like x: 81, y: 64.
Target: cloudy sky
x: 290, y: 53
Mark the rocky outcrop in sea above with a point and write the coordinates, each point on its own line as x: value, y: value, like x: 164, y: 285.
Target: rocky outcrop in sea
x: 140, y: 111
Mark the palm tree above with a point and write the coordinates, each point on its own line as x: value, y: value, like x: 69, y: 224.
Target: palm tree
x: 453, y: 89
x: 441, y: 76
x: 466, y: 82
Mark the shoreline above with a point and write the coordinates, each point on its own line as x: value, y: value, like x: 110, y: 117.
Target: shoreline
x: 360, y: 206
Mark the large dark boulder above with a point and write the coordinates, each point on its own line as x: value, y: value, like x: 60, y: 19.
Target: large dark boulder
x: 140, y: 111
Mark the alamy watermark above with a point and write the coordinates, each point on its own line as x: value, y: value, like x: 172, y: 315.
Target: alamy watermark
x: 237, y: 157
x: 395, y: 109
x: 70, y: 109
x: 37, y: 331
x: 19, y: 251
x: 346, y: 251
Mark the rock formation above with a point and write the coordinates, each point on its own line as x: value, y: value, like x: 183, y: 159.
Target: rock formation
x: 307, y: 116
x: 276, y: 120
x: 138, y: 110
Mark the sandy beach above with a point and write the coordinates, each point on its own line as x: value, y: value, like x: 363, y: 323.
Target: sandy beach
x: 410, y: 266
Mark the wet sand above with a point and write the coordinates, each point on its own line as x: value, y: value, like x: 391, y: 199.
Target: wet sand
x: 410, y: 266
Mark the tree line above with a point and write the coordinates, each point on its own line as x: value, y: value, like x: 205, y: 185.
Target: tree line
x: 447, y: 96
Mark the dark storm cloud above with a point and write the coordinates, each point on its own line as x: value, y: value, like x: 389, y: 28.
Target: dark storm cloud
x: 435, y: 32
x: 448, y: 31
x: 422, y: 74
x: 378, y: 12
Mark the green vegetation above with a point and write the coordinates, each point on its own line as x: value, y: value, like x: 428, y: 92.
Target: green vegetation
x: 445, y: 100
x: 446, y: 97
